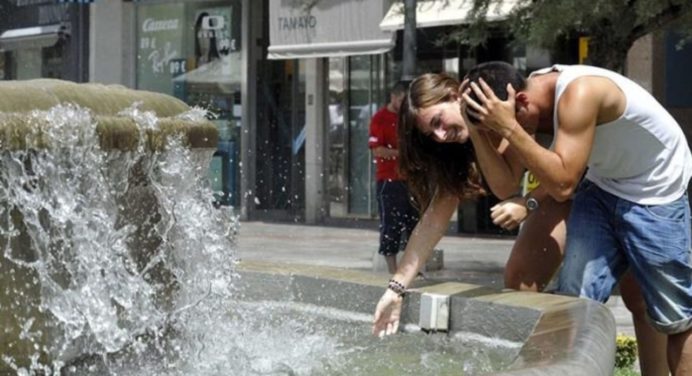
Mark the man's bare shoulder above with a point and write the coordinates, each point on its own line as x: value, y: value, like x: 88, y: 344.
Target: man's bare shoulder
x: 597, y: 94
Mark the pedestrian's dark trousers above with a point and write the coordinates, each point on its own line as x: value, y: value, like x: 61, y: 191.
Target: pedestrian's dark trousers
x: 398, y: 216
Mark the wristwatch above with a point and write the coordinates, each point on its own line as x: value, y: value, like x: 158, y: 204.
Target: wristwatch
x: 531, y: 204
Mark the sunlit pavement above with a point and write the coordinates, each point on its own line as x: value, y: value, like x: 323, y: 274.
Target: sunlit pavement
x: 466, y: 258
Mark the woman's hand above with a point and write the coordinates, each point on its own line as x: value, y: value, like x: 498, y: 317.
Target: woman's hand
x: 387, y: 314
x: 508, y: 214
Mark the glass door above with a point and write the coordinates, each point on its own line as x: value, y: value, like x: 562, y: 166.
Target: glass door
x: 337, y: 139
x: 365, y: 97
x: 356, y: 92
x: 281, y: 141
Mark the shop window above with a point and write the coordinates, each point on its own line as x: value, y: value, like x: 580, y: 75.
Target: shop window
x: 192, y: 50
x: 32, y: 63
x: 363, y: 103
x: 337, y: 137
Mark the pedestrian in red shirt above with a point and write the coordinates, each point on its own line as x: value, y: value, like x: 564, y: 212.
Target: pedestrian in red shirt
x: 398, y: 216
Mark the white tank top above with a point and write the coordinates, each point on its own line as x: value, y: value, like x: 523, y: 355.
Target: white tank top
x: 642, y: 156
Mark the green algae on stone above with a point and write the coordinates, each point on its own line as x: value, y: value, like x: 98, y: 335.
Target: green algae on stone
x: 101, y: 99
x: 196, y: 134
x: 117, y: 133
x: 22, y: 131
x: 22, y: 127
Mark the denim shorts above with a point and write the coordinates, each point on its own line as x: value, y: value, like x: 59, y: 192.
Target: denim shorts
x: 607, y: 234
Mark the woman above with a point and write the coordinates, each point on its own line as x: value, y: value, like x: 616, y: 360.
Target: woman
x: 439, y: 163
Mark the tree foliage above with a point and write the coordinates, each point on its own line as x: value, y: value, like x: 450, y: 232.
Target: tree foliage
x: 612, y: 25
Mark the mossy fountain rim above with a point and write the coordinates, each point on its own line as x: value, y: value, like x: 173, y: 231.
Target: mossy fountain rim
x: 23, y: 120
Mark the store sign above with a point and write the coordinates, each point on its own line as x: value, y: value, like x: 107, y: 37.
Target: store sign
x: 151, y: 25
x: 159, y: 45
x: 299, y: 22
x: 326, y: 28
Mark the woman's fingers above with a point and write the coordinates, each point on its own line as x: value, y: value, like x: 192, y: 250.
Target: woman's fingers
x: 499, y: 217
x: 389, y: 330
x: 503, y: 219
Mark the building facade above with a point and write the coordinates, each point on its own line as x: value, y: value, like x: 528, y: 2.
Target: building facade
x: 44, y: 39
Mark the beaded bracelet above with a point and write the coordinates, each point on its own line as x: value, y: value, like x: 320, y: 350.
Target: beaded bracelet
x: 397, y: 287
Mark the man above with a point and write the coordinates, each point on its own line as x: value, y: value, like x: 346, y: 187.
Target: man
x: 398, y: 217
x: 631, y: 209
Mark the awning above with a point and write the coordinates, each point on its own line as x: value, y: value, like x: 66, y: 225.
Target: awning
x: 443, y: 12
x: 32, y: 37
x: 327, y: 28
x: 217, y: 76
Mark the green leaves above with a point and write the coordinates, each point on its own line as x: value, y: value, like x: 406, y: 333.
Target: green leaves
x: 612, y: 25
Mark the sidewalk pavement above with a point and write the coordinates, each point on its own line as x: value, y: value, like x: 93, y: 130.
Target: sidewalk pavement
x: 466, y: 258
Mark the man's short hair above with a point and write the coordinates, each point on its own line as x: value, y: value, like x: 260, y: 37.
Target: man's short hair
x: 398, y: 89
x: 497, y: 74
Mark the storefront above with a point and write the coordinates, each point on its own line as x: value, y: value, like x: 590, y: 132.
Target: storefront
x: 191, y: 50
x: 342, y: 42
x: 358, y: 46
x: 292, y: 85
x: 44, y: 39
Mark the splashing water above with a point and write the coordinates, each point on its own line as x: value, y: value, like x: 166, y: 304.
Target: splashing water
x: 117, y: 243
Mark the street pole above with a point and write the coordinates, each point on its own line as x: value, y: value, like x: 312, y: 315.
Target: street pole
x: 409, y: 44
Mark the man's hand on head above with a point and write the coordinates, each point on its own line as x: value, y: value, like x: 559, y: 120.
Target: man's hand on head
x: 487, y: 110
x: 474, y: 126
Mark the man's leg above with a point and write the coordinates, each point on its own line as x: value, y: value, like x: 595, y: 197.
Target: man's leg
x: 391, y: 263
x: 538, y: 249
x: 651, y: 344
x: 389, y: 233
x: 399, y: 212
x: 411, y: 216
x: 657, y: 240
x: 680, y: 353
x: 404, y: 215
x: 593, y: 262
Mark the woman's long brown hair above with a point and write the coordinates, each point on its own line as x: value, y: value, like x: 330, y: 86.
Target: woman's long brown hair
x: 427, y: 165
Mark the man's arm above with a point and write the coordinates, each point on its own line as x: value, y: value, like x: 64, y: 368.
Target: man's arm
x: 561, y: 169
x: 558, y: 170
x: 383, y: 152
x: 377, y: 140
x: 498, y: 162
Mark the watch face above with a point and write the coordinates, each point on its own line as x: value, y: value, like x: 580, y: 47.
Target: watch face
x: 531, y: 203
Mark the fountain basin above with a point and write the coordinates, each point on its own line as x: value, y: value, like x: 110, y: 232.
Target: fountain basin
x: 558, y: 335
